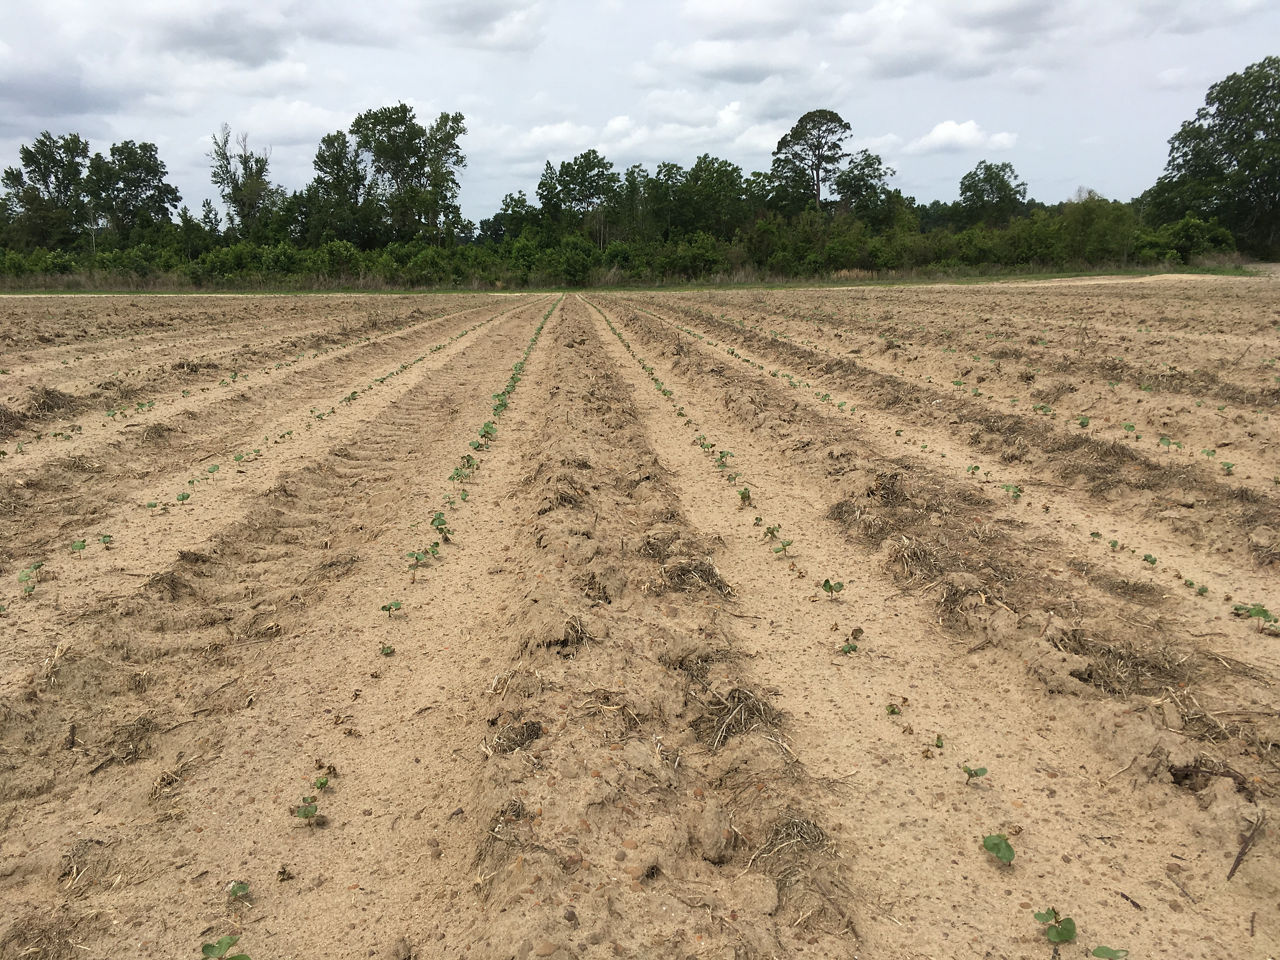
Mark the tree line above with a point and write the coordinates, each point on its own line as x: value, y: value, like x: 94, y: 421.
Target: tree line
x: 383, y: 209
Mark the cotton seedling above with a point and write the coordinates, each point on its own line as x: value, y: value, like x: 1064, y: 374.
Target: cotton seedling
x: 417, y: 558
x: 391, y: 607
x: 306, y: 811
x: 1148, y: 558
x: 997, y: 844
x: 184, y: 497
x: 744, y: 497
x: 27, y: 577
x: 782, y: 548
x: 1109, y: 953
x: 771, y: 533
x: 238, y: 890
x: 831, y: 589
x: 1059, y: 929
x: 77, y: 547
x: 1255, y: 611
x: 220, y: 948
x: 972, y: 773
x: 441, y: 527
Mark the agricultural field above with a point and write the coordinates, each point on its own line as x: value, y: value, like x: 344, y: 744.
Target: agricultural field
x: 881, y: 622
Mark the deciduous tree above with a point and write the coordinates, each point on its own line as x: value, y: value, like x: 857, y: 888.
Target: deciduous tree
x: 1225, y: 163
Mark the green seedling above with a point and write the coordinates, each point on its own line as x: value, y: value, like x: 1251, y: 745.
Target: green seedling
x: 771, y: 533
x: 1012, y: 489
x: 1227, y: 467
x: 1201, y: 590
x: 463, y: 496
x: 744, y: 497
x: 1083, y: 421
x: 1148, y: 558
x: 1115, y: 544
x: 238, y: 890
x: 306, y: 810
x: 937, y: 741
x: 782, y: 548
x: 151, y: 504
x: 320, y: 783
x: 1252, y: 611
x: 387, y: 650
x: 220, y: 948
x: 997, y: 844
x: 77, y: 546
x: 391, y: 607
x: 849, y: 648
x: 972, y: 773
x: 418, y: 558
x: 1129, y: 428
x: 831, y: 589
x: 441, y: 526
x: 27, y: 577
x: 1060, y: 929
x: 184, y: 497
x: 892, y: 709
x: 972, y: 470
x: 757, y: 522
x: 1096, y: 535
x: 1109, y: 953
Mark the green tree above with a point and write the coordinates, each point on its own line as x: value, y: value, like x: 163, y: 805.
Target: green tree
x: 991, y: 194
x: 337, y: 192
x: 413, y: 171
x: 240, y: 174
x: 512, y: 217
x: 127, y: 189
x: 711, y: 197
x: 811, y: 150
x: 445, y: 161
x: 45, y: 195
x: 1225, y: 163
x: 863, y: 188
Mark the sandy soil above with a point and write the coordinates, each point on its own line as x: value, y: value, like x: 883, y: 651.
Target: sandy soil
x: 494, y: 626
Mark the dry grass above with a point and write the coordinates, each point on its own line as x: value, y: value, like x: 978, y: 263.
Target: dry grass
x: 916, y: 560
x: 512, y: 737
x: 48, y: 402
x: 1125, y: 667
x: 735, y: 713
x: 690, y: 576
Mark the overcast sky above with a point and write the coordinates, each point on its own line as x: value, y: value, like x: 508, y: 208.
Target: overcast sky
x: 1072, y: 93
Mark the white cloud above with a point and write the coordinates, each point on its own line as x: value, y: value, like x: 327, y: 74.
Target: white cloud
x: 952, y: 137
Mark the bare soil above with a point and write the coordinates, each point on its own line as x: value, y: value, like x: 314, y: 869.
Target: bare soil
x: 495, y: 626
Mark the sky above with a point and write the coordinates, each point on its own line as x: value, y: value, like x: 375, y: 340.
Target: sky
x: 1073, y: 93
